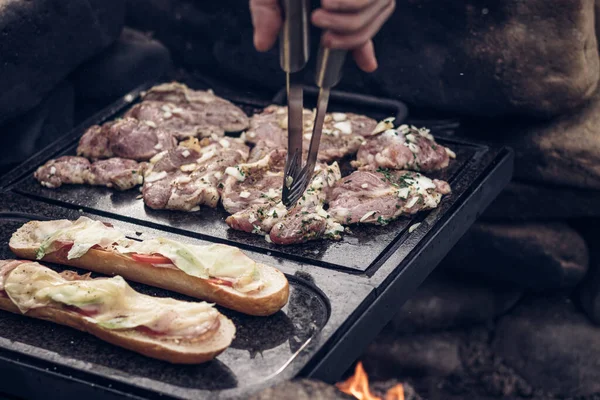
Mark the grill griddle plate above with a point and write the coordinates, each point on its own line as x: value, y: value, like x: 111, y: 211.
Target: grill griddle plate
x: 342, y: 293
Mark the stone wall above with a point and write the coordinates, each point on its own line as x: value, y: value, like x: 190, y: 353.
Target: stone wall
x: 61, y: 61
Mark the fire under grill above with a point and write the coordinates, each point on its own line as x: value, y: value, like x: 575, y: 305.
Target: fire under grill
x: 342, y: 293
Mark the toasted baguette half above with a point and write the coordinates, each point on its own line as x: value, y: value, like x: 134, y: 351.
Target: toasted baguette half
x: 267, y: 301
x: 178, y: 352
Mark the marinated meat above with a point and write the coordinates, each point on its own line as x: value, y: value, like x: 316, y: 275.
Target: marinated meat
x: 120, y: 173
x: 137, y: 140
x: 179, y: 121
x: 378, y: 197
x: 125, y: 138
x: 178, y: 191
x: 214, y: 110
x: 308, y: 220
x: 63, y: 170
x: 190, y: 175
x: 258, y: 218
x: 95, y: 143
x: 343, y: 133
x: 257, y: 183
x: 403, y: 148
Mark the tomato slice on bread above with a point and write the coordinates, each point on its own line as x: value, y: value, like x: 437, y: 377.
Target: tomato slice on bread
x: 151, y: 258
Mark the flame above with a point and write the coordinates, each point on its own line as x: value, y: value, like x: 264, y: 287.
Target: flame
x: 395, y: 393
x: 358, y: 386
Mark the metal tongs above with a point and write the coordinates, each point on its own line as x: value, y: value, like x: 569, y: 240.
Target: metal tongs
x: 294, y: 55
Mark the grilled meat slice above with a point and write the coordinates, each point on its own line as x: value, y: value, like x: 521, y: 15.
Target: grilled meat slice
x: 378, y: 197
x: 403, y: 148
x: 178, y: 191
x: 114, y: 172
x: 257, y: 183
x: 258, y: 218
x: 342, y: 135
x: 214, y: 110
x: 136, y: 140
x: 179, y: 121
x: 63, y: 170
x: 125, y: 138
x: 308, y: 220
x: 120, y: 173
x: 190, y: 175
x: 95, y: 142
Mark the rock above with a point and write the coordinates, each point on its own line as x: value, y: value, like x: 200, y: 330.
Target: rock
x: 467, y: 57
x: 523, y: 201
x: 552, y: 345
x: 381, y: 388
x: 38, y: 128
x: 589, y: 292
x: 486, y: 59
x: 302, y: 389
x: 564, y: 151
x: 433, y: 354
x: 132, y: 60
x: 443, y: 302
x: 45, y: 40
x: 535, y: 256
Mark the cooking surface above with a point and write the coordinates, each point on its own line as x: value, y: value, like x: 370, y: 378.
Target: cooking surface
x: 335, y: 286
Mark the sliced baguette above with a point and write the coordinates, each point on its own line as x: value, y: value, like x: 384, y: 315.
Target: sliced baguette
x: 177, y: 352
x: 267, y: 301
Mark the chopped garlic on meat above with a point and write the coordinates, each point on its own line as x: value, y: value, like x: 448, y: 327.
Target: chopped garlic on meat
x: 52, y: 170
x: 224, y: 143
x: 156, y: 176
x: 205, y: 157
x: 413, y: 227
x: 236, y: 173
x: 338, y: 117
x: 245, y: 194
x: 412, y: 202
x: 186, y: 153
x: 345, y: 127
x: 321, y: 212
x: 268, y: 238
x: 384, y: 125
x: 403, y: 193
x: 334, y: 229
x: 411, y: 138
x: 183, y: 179
x: 283, y: 123
x: 414, y: 148
x: 218, y: 175
x: 364, y: 185
x: 158, y: 146
x: 158, y: 157
x: 450, y: 153
x: 252, y: 218
x: 151, y: 124
x: 403, y: 129
x: 367, y: 215
x: 188, y: 167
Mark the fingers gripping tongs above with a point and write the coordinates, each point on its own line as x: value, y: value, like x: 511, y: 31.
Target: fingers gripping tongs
x: 294, y: 54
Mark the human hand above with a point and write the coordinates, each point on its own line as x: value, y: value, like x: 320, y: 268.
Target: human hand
x: 347, y: 24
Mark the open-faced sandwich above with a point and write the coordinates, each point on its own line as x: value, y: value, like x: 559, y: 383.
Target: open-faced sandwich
x: 176, y: 331
x: 217, y: 273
